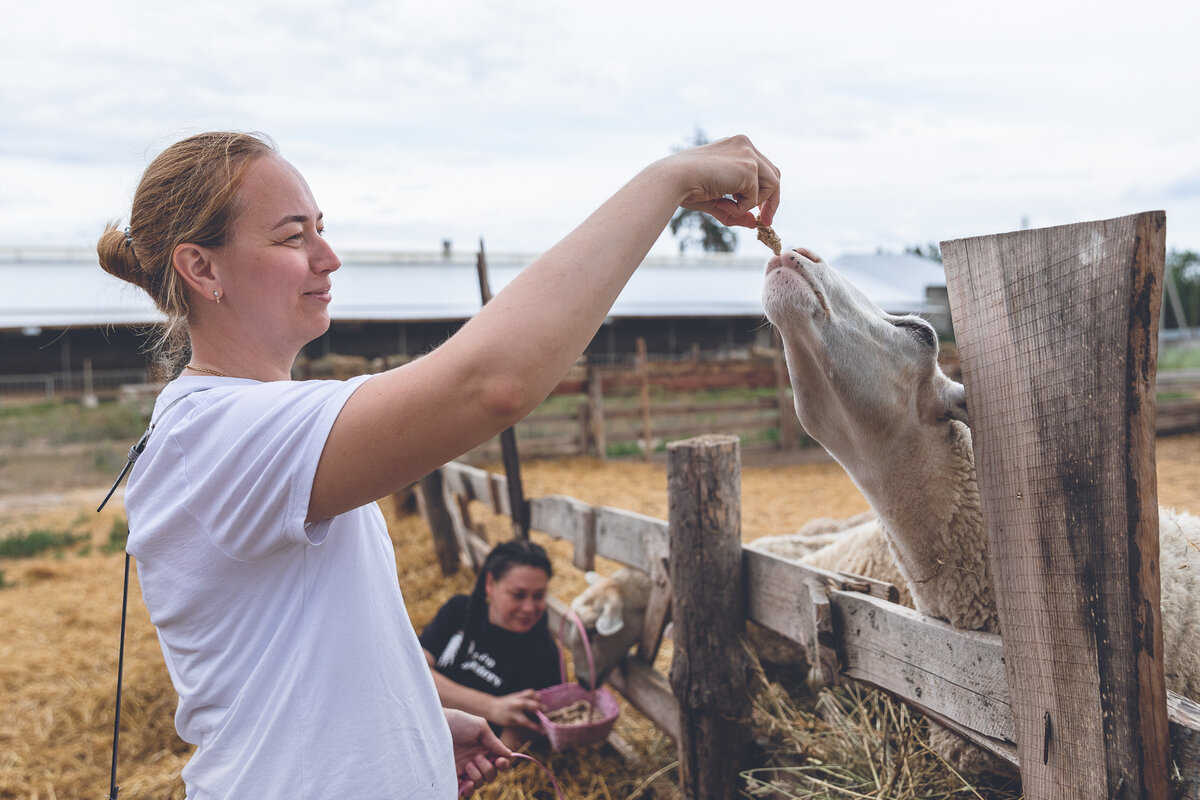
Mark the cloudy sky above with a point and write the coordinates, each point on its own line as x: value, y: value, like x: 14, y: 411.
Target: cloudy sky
x: 894, y: 123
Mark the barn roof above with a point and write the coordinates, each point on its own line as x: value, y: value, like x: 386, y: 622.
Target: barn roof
x: 57, y: 288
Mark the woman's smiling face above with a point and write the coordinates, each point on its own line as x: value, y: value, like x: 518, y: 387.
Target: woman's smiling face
x: 517, y: 599
x: 275, y: 267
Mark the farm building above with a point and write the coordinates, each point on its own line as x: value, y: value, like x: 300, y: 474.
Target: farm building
x: 61, y: 310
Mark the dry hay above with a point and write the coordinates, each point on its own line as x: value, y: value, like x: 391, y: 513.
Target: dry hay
x: 61, y: 618
x: 851, y: 742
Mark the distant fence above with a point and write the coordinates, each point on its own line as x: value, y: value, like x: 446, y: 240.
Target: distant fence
x: 618, y: 412
x: 51, y: 385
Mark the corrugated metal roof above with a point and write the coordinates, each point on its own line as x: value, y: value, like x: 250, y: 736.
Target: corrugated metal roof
x: 54, y: 288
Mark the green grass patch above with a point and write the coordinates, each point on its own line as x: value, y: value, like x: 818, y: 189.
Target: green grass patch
x: 1180, y: 357
x: 623, y: 449
x: 63, y: 422
x: 27, y: 544
x: 118, y: 535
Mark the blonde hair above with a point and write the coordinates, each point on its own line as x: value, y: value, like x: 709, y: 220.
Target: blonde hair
x: 188, y: 194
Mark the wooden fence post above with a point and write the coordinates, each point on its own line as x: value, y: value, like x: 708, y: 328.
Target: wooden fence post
x: 644, y: 375
x: 433, y: 507
x: 1057, y: 329
x: 709, y: 672
x: 596, y: 411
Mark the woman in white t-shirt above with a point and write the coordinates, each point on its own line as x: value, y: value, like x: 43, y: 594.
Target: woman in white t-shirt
x: 263, y: 560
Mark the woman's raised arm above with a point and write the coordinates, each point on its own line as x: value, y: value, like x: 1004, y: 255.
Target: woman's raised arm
x: 401, y: 424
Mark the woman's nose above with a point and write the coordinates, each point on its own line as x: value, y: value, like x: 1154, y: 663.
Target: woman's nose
x: 323, y: 258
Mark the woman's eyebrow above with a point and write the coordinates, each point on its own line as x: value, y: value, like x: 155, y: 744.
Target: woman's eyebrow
x: 301, y: 218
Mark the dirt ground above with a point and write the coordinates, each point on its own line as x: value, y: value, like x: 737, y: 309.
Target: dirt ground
x: 61, y: 614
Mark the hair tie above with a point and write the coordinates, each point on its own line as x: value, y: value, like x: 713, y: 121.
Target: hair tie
x: 128, y: 237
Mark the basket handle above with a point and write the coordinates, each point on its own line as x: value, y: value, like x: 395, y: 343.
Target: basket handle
x: 587, y: 646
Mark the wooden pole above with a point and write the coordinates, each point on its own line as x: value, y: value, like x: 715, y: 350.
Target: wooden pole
x: 508, y: 437
x: 596, y: 411
x: 709, y: 672
x: 432, y: 502
x: 1057, y: 329
x: 644, y: 376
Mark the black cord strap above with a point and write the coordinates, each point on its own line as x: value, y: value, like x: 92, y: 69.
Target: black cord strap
x: 112, y: 783
x: 134, y: 452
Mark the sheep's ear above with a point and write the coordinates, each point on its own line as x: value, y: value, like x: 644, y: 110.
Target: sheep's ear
x: 610, y: 620
x: 956, y: 402
x: 948, y: 400
x: 591, y: 576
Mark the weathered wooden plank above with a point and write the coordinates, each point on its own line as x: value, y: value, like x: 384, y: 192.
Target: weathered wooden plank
x: 792, y: 599
x: 649, y: 692
x: 499, y: 499
x: 709, y: 670
x: 1057, y: 332
x: 630, y: 538
x: 567, y: 518
x: 959, y: 674
x: 658, y: 611
x: 460, y: 520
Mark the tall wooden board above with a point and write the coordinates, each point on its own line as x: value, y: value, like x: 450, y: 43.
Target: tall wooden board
x: 1057, y: 330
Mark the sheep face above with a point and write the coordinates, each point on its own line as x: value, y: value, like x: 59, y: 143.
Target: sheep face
x: 859, y: 374
x: 613, y: 611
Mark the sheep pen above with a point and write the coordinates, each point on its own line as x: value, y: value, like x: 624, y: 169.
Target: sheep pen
x: 61, y: 616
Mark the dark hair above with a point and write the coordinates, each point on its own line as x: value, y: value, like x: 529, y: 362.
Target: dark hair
x: 187, y: 194
x: 502, y: 558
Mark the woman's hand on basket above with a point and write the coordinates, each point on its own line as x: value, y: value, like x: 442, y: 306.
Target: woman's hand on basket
x: 478, y: 753
x: 517, y: 709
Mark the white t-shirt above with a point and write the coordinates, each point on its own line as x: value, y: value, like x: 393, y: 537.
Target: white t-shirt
x: 298, y: 672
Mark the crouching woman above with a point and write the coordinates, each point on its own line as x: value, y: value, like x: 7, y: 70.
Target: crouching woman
x: 492, y: 650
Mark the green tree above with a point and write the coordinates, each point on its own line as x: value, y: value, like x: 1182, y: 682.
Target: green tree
x: 1183, y: 267
x: 930, y: 251
x: 698, y: 227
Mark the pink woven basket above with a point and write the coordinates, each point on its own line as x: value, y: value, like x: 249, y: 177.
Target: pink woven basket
x: 564, y: 737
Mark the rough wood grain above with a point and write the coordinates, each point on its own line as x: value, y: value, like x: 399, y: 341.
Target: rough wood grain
x: 1056, y: 330
x: 658, y: 611
x: 709, y: 673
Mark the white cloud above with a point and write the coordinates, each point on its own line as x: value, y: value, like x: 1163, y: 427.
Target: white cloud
x: 894, y: 124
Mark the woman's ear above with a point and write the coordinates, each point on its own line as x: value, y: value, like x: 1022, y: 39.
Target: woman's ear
x: 194, y: 265
x: 488, y: 583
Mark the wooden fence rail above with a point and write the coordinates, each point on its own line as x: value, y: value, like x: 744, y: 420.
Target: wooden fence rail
x: 609, y: 417
x: 954, y: 676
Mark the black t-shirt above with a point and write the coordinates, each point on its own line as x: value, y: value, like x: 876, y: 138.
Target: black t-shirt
x: 495, y: 660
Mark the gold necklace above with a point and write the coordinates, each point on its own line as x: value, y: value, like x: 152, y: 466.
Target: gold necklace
x: 209, y: 371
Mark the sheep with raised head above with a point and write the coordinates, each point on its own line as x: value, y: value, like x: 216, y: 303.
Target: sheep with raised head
x: 868, y: 388
x: 613, y: 611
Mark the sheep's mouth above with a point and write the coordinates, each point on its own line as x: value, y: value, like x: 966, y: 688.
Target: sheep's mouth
x: 792, y: 263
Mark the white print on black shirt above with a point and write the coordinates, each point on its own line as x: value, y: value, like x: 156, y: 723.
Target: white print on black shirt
x: 450, y: 651
x: 482, y: 665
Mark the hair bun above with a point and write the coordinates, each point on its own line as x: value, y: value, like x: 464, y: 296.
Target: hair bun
x: 117, y: 256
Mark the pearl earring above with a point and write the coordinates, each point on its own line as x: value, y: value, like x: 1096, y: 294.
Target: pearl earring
x: 217, y: 295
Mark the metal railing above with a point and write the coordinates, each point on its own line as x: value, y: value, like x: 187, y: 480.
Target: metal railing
x: 49, y: 385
